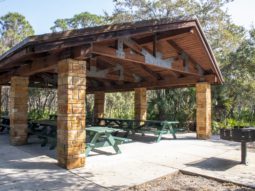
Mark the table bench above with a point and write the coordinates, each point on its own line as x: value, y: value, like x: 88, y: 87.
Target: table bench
x: 154, y: 127
x: 157, y: 128
x: 45, y: 130
x: 101, y: 136
x: 5, y: 123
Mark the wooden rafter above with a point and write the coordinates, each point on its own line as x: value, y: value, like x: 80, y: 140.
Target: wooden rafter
x: 185, y: 54
x: 37, y: 66
x: 143, y: 58
x: 116, y: 72
x: 152, y: 84
x: 171, y: 82
x: 165, y: 35
x: 152, y: 74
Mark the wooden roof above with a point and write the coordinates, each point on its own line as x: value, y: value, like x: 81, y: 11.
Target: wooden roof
x: 152, y: 54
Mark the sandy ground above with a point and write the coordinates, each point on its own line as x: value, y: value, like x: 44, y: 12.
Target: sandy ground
x: 182, y: 182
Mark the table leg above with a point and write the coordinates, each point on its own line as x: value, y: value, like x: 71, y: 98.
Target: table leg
x: 159, y: 137
x: 244, y: 153
x: 113, y: 143
x: 172, y: 131
x: 90, y: 146
x: 44, y: 141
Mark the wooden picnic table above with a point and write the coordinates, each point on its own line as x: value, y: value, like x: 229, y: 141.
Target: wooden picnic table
x: 101, y: 136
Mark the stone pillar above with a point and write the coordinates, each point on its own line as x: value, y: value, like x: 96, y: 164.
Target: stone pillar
x: 203, y: 99
x: 18, y: 110
x: 99, y: 104
x: 71, y: 113
x: 140, y: 104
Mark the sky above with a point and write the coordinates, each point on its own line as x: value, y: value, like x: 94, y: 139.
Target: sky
x: 42, y: 14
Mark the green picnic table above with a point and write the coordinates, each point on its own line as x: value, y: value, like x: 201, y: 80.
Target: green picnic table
x: 46, y: 130
x: 5, y: 123
x: 101, y: 136
x: 158, y: 128
x: 155, y: 127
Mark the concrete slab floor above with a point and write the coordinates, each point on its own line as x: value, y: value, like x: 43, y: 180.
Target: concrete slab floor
x: 32, y: 167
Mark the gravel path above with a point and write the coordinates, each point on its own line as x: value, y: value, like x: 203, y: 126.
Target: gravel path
x: 182, y: 182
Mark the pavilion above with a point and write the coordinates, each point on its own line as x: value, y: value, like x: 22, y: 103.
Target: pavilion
x: 138, y: 56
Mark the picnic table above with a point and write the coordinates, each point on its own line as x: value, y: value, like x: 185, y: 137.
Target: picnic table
x: 5, y: 123
x: 46, y: 130
x: 155, y: 127
x: 101, y: 136
x: 158, y: 128
x: 121, y: 123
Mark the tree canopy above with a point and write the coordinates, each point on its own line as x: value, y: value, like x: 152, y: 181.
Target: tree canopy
x: 223, y: 35
x: 81, y: 20
x: 13, y: 28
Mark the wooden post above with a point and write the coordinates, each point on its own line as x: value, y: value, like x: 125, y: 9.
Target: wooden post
x: 140, y: 104
x: 18, y: 110
x: 203, y: 97
x: 71, y: 113
x: 99, y: 99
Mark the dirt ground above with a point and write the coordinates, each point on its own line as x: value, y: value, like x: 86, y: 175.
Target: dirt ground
x: 182, y: 182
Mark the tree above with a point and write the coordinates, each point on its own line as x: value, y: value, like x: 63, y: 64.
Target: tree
x: 13, y: 28
x: 81, y: 20
x: 239, y: 87
x: 223, y: 35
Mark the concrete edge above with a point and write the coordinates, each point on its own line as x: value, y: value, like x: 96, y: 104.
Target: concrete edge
x: 171, y: 174
x: 214, y: 178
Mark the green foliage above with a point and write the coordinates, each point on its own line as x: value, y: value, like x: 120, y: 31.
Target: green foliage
x: 234, y: 98
x: 13, y: 28
x: 229, y: 123
x: 172, y: 104
x: 90, y: 106
x: 42, y: 103
x: 81, y: 20
x: 119, y: 105
x: 38, y: 114
x: 223, y: 35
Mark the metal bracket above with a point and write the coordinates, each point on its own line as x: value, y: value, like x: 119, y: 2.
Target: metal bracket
x: 185, y: 57
x: 200, y: 70
x: 119, y: 52
x: 158, y: 61
x: 137, y: 78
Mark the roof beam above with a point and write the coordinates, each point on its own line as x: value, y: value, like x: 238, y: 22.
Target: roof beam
x: 165, y: 35
x: 95, y: 72
x: 153, y: 74
x: 144, y: 57
x: 37, y: 66
x: 189, y: 80
x: 186, y: 57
